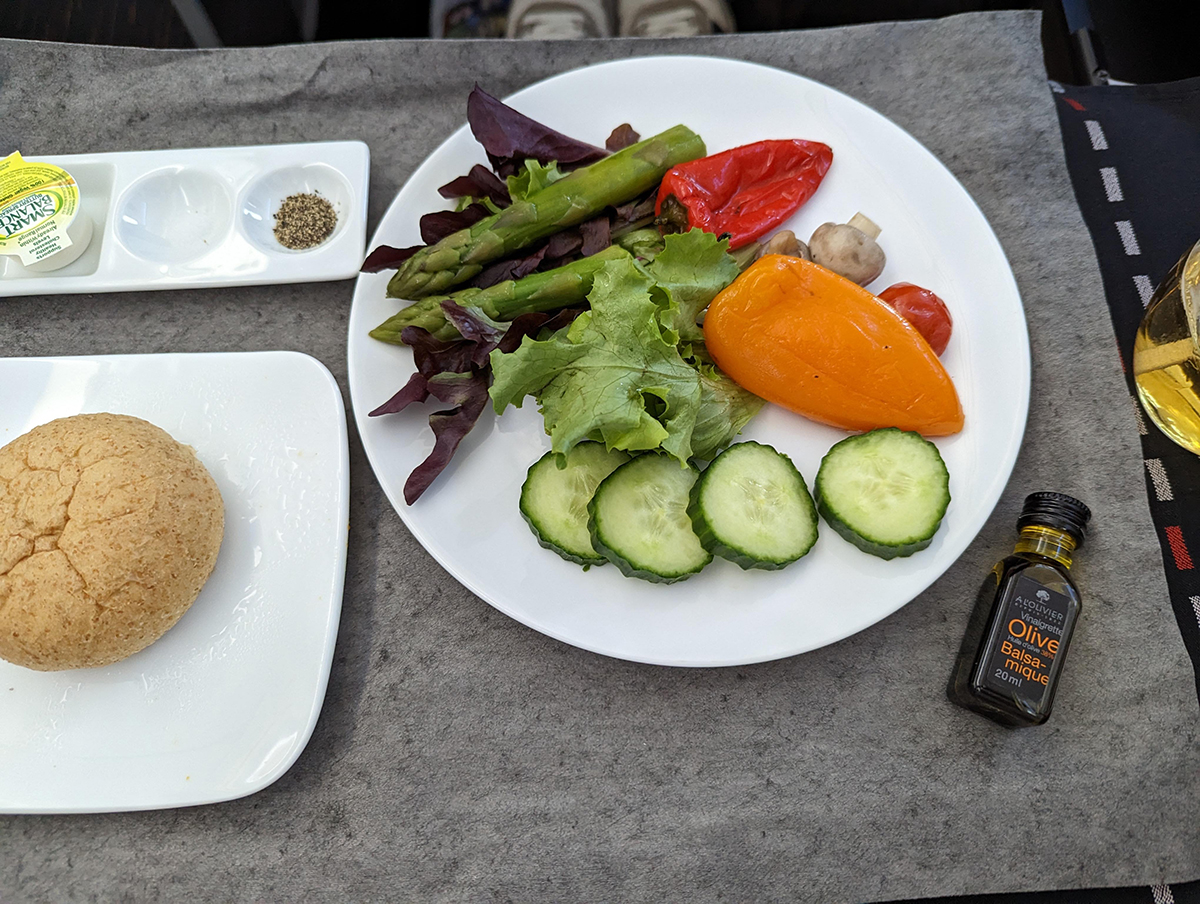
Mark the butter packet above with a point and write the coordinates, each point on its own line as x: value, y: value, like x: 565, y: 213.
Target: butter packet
x: 39, y: 214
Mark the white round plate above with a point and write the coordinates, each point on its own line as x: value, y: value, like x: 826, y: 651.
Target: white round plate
x: 934, y: 235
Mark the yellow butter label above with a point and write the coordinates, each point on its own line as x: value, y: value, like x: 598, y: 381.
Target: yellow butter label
x: 37, y: 203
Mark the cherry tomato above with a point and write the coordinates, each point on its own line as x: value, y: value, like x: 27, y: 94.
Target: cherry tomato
x: 924, y: 310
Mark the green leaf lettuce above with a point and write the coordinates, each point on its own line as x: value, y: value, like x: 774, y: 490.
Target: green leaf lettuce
x: 532, y: 178
x: 630, y: 371
x: 615, y: 374
x: 693, y: 267
x: 725, y: 408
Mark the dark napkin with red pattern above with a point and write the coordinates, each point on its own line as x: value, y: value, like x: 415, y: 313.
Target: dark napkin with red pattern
x: 1133, y: 153
x: 1134, y: 157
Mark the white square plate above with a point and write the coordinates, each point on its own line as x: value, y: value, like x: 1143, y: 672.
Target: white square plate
x: 223, y: 704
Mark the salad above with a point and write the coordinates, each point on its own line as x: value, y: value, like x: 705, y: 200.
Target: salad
x: 582, y: 276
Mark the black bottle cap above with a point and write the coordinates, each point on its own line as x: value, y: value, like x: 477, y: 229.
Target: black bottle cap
x: 1057, y: 510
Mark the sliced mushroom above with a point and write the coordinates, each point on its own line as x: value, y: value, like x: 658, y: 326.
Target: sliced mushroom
x: 785, y: 242
x: 849, y: 249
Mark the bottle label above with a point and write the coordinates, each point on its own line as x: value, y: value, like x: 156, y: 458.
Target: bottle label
x: 37, y: 203
x: 1033, y: 621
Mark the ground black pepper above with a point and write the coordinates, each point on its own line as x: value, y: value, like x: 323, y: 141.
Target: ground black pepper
x: 304, y: 221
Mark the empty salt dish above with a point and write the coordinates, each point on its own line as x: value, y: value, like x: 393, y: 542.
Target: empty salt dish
x: 175, y: 215
x: 40, y: 221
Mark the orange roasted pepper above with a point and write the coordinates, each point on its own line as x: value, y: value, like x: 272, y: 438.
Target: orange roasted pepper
x: 805, y: 338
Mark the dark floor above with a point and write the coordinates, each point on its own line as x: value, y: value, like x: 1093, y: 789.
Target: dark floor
x: 1139, y: 40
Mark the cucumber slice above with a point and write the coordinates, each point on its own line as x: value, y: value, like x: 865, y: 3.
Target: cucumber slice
x: 639, y: 520
x: 554, y: 500
x: 885, y: 491
x: 751, y: 506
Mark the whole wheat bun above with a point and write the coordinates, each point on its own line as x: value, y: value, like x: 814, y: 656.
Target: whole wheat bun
x: 108, y: 530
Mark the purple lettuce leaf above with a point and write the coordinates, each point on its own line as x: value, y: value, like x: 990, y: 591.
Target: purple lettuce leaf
x: 510, y: 138
x: 531, y: 324
x: 622, y: 137
x: 596, y: 236
x: 564, y: 245
x: 457, y: 374
x: 584, y: 240
x: 589, y: 237
x: 385, y: 257
x: 480, y: 335
x: 480, y: 182
x: 561, y: 248
x: 415, y: 390
x: 509, y: 268
x: 636, y: 213
x: 436, y: 356
x: 467, y: 394
x: 441, y: 223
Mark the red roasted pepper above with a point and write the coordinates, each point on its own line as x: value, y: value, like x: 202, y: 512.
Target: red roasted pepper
x: 744, y: 192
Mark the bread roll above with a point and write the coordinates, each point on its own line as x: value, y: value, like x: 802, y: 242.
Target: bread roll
x: 108, y: 530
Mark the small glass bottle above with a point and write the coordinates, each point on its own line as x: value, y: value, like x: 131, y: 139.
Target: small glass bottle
x: 1016, y: 640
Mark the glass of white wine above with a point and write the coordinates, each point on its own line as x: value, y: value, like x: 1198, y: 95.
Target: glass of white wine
x: 1166, y: 354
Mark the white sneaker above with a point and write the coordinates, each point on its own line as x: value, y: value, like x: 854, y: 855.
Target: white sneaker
x: 674, y: 18
x: 548, y: 20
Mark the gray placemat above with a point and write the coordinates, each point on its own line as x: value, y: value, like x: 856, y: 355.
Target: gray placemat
x: 462, y: 756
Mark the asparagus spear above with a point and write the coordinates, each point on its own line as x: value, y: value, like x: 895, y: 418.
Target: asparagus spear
x: 545, y: 291
x: 572, y: 199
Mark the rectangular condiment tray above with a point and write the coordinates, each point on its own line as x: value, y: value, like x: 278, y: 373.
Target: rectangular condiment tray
x: 181, y: 218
